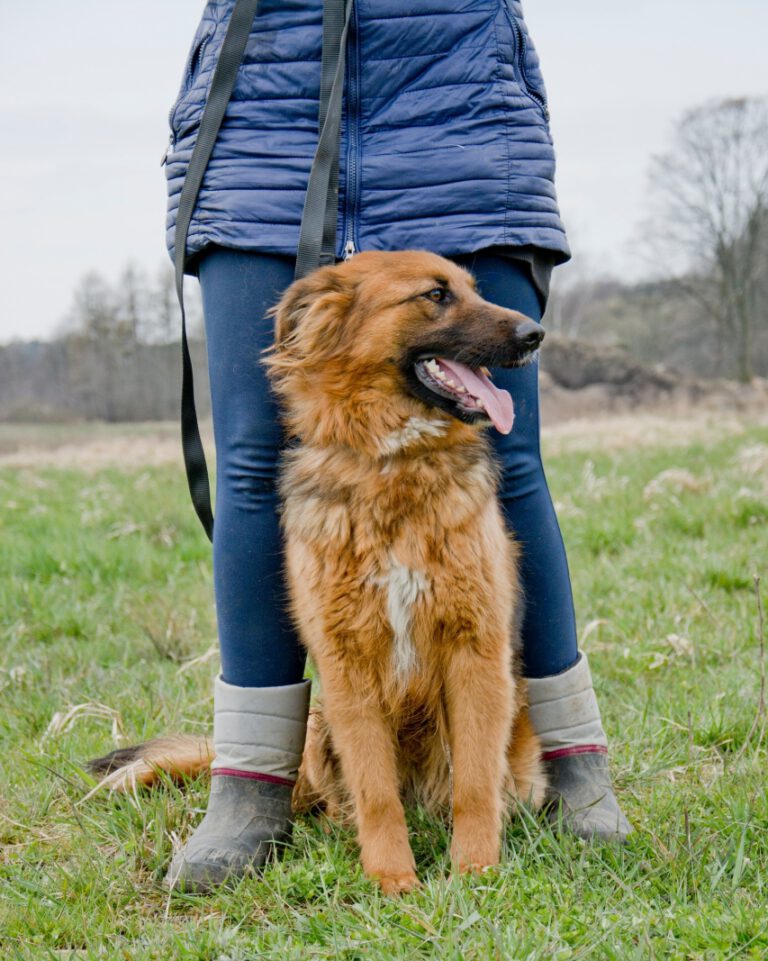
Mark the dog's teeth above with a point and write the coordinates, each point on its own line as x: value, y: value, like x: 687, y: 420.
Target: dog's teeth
x: 440, y: 375
x: 461, y: 390
x: 432, y: 365
x: 450, y: 383
x: 484, y: 370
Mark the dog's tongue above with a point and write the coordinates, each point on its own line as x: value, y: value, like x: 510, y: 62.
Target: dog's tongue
x: 498, y: 403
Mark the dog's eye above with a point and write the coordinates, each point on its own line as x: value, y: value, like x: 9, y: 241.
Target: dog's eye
x: 437, y: 295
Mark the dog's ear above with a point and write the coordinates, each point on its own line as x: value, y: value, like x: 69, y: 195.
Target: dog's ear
x: 309, y: 317
x: 293, y: 305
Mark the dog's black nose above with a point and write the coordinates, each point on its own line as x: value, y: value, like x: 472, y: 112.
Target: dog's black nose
x: 529, y: 334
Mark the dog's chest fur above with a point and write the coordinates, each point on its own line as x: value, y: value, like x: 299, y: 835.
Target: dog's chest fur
x: 394, y: 562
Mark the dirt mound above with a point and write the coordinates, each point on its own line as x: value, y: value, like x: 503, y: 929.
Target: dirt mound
x: 575, y: 364
x: 580, y: 378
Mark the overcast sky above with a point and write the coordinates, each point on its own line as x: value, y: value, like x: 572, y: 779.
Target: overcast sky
x: 85, y: 88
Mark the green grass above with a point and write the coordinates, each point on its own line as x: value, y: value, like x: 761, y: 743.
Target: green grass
x: 105, y: 590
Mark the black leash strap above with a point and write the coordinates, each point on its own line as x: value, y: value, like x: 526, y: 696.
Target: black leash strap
x: 317, y: 242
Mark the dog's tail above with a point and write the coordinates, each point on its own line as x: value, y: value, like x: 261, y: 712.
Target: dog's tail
x: 179, y: 756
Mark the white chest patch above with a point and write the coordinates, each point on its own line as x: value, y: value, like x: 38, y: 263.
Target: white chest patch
x: 403, y: 587
x: 414, y: 429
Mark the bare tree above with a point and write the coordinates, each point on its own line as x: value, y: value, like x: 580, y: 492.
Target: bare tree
x: 95, y: 310
x: 132, y: 296
x: 165, y: 320
x: 709, y: 227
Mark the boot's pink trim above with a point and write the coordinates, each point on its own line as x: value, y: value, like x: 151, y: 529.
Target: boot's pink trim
x: 254, y: 776
x: 576, y: 749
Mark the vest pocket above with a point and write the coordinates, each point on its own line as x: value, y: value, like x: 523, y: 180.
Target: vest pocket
x: 524, y: 59
x: 191, y: 71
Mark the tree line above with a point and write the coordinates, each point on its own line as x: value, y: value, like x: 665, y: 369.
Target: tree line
x: 115, y: 356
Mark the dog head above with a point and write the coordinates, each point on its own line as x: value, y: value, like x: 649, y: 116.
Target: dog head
x: 365, y: 346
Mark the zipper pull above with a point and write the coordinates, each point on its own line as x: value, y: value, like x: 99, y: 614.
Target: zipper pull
x: 349, y: 249
x: 166, y: 152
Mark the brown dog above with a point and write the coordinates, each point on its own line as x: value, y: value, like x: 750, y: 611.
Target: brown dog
x: 403, y: 580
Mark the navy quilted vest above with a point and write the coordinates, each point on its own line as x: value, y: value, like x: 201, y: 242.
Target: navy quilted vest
x: 445, y: 139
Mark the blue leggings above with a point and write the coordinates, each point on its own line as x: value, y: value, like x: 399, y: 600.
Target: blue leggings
x: 259, y: 646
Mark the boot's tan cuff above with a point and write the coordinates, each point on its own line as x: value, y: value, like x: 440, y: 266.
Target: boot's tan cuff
x: 260, y: 729
x: 563, y: 709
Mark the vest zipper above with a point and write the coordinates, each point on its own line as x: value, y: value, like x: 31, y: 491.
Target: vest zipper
x: 353, y: 139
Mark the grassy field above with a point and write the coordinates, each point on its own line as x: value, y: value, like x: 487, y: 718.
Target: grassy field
x: 108, y: 637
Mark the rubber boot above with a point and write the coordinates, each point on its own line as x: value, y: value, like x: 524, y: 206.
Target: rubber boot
x: 580, y: 798
x: 258, y: 736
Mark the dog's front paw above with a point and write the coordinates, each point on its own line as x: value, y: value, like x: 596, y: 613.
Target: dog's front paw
x: 395, y: 884
x: 476, y: 842
x: 472, y: 867
x: 388, y: 860
x: 471, y: 857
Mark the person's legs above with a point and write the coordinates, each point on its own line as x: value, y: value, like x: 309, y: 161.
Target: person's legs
x: 259, y: 644
x: 260, y: 701
x: 549, y: 625
x: 563, y: 706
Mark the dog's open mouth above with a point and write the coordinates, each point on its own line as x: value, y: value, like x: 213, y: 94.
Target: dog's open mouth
x: 471, y: 390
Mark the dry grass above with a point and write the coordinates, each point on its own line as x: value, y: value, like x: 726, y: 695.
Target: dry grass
x: 93, y: 447
x: 615, y: 432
